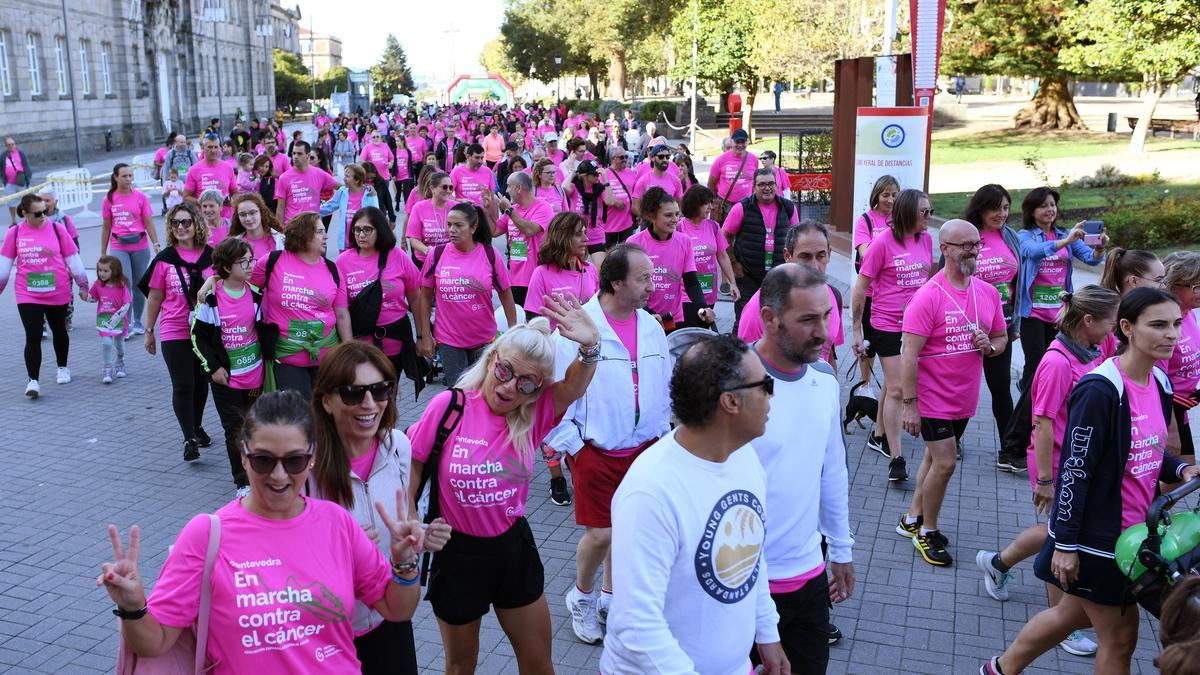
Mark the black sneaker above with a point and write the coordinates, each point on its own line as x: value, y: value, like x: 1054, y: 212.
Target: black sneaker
x: 835, y: 635
x: 202, y: 438
x: 558, y: 491
x: 932, y: 547
x: 1012, y: 462
x: 910, y: 530
x: 958, y: 450
x: 897, y: 470
x: 879, y: 444
x: 191, y: 450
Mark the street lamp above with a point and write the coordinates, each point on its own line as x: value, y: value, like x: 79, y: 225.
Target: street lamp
x: 558, y: 77
x: 213, y: 13
x: 71, y: 76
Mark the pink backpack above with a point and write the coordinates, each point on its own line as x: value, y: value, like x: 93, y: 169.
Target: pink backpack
x: 187, y: 655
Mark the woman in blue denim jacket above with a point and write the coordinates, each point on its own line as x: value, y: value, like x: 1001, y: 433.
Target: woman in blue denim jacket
x: 1046, y: 252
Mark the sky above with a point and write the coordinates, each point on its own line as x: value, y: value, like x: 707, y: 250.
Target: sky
x: 419, y: 25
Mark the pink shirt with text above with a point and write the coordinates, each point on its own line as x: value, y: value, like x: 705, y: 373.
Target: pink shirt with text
x: 553, y: 280
x: 381, y: 156
x: 221, y: 176
x: 174, y: 320
x: 707, y: 244
x: 619, y: 219
x: 1183, y: 368
x: 399, y: 276
x: 1050, y: 280
x: 1148, y: 437
x: 670, y: 184
x: 40, y: 262
x: 996, y: 264
x: 300, y: 299
x: 462, y: 289
x: 735, y: 172
x: 523, y: 248
x: 302, y: 190
x: 672, y: 259
x: 552, y: 195
x: 427, y: 224
x: 239, y: 337
x: 261, y: 247
x: 897, y: 270
x: 128, y: 214
x: 218, y: 233
x: 283, y: 591
x: 110, y: 300
x: 949, y: 367
x: 483, y: 481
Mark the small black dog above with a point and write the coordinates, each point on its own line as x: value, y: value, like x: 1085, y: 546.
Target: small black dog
x: 861, y: 404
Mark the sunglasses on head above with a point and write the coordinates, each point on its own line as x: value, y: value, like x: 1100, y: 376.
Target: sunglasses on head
x: 264, y: 463
x: 526, y: 384
x: 353, y: 394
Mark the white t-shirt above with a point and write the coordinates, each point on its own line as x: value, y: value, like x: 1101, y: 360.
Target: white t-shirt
x: 690, y: 591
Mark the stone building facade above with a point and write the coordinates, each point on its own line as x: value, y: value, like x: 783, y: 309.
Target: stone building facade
x: 138, y: 68
x: 321, y: 52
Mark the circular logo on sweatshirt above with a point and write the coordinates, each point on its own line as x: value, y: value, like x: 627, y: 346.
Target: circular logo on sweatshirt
x: 728, y: 553
x: 892, y: 136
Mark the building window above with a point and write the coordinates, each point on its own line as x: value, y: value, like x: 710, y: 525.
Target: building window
x: 35, y: 72
x: 85, y: 72
x: 60, y: 64
x: 5, y: 74
x: 105, y: 75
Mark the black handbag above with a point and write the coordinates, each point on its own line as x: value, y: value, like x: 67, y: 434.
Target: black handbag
x: 365, y: 307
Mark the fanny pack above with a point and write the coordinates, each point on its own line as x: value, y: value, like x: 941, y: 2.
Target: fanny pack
x: 131, y: 238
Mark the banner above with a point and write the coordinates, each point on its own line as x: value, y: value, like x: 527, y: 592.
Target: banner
x: 889, y: 141
x: 885, y: 82
x: 926, y: 19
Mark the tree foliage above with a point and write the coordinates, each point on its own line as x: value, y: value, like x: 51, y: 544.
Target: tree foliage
x: 336, y: 79
x: 392, y: 74
x: 494, y: 59
x: 293, y: 83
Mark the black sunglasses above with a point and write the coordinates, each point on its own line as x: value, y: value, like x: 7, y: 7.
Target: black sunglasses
x: 767, y: 383
x: 181, y: 222
x: 37, y: 214
x: 264, y: 463
x: 353, y: 394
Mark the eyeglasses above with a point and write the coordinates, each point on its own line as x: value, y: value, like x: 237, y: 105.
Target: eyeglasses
x: 765, y: 185
x: 966, y: 246
x: 37, y: 214
x: 925, y: 213
x: 1196, y: 289
x: 767, y: 383
x: 246, y: 263
x: 364, y: 229
x: 353, y: 394
x: 248, y: 214
x: 264, y: 464
x: 1157, y: 281
x: 662, y: 157
x: 526, y: 384
x: 182, y: 223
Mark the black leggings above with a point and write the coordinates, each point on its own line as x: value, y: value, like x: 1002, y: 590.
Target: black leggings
x: 189, y: 385
x: 997, y: 372
x: 388, y: 649
x: 232, y: 405
x: 1036, y: 336
x: 31, y: 318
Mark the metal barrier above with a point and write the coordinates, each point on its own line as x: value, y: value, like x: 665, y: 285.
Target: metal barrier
x: 143, y: 171
x: 72, y: 188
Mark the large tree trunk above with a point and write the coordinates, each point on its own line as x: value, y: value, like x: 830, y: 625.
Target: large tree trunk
x: 1137, y: 141
x: 748, y: 107
x: 593, y: 84
x: 1052, y: 107
x: 616, y: 75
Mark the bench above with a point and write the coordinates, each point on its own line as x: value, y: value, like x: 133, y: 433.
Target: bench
x: 1190, y: 127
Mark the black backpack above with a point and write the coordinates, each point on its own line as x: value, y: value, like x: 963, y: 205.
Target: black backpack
x: 365, y: 307
x: 441, y: 249
x: 450, y: 420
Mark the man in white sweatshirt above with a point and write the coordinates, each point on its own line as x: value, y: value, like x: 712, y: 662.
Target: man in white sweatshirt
x: 689, y: 526
x: 803, y: 442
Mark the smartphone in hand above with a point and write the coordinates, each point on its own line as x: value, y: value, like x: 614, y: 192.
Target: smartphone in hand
x: 1092, y: 230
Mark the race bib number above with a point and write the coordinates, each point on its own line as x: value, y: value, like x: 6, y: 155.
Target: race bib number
x: 1046, y: 296
x: 1005, y: 289
x: 244, y: 359
x: 40, y: 282
x: 518, y: 250
x: 706, y: 282
x: 770, y: 259
x: 305, y: 331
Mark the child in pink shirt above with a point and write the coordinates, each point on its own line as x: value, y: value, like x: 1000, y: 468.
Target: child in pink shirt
x: 112, y: 296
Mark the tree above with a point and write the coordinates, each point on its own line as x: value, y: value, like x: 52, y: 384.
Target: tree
x: 1017, y: 38
x: 292, y: 80
x: 724, y: 31
x: 337, y: 79
x: 494, y: 59
x: 1158, y: 41
x: 392, y: 75
x: 779, y: 54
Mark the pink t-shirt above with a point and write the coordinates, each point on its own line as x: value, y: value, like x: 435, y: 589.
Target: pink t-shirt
x: 782, y: 182
x: 109, y: 301
x: 427, y: 224
x: 865, y: 233
x: 626, y: 330
x: 750, y: 327
x: 897, y: 270
x: 302, y: 190
x: 40, y: 255
x: 996, y: 264
x: 671, y: 259
x: 707, y: 244
x: 239, y: 337
x: 618, y: 219
x: 279, y: 164
x: 218, y: 234
x: 483, y: 481
x: 381, y: 156
x: 522, y: 248
x: 1184, y: 366
x: 300, y: 299
x: 552, y: 279
x: 174, y: 320
x: 670, y: 184
x: 283, y: 591
x: 353, y: 204
x: 949, y: 366
x: 471, y: 184
x: 399, y: 277
x: 726, y: 168
x: 414, y: 198
x: 552, y: 195
x: 1147, y: 445
x: 1050, y: 280
x: 261, y: 247
x: 1055, y: 377
x: 203, y: 176
x: 493, y: 147
x: 646, y: 166
x: 770, y: 213
x: 362, y: 465
x: 12, y: 166
x: 128, y: 214
x: 462, y: 288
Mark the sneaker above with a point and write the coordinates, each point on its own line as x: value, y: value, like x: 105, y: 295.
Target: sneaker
x: 835, y: 635
x: 958, y: 450
x: 584, y: 620
x: 932, y: 547
x: 202, y: 438
x: 33, y: 389
x: 995, y: 582
x: 897, y: 470
x: 558, y: 491
x: 602, y: 606
x: 138, y: 328
x: 106, y: 375
x: 64, y: 376
x: 120, y: 370
x: 1012, y: 462
x: 879, y: 444
x: 1078, y: 644
x: 992, y: 667
x: 1019, y: 462
x: 191, y: 450
x: 243, y: 491
x: 909, y: 530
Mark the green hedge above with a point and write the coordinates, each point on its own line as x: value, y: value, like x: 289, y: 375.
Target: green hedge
x: 1169, y: 222
x: 584, y: 105
x: 650, y: 110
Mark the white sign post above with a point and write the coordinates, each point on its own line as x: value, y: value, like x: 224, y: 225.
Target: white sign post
x: 889, y: 141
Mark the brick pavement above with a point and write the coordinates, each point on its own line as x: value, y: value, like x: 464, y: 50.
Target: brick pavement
x: 86, y: 454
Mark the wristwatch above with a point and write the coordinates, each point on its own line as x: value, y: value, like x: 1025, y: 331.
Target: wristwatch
x: 126, y: 615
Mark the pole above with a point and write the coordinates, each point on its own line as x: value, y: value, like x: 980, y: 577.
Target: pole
x: 312, y: 57
x: 217, y: 63
x: 695, y: 71
x: 889, y: 28
x: 71, y: 75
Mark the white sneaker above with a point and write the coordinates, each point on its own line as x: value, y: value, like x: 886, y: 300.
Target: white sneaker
x: 243, y: 491
x: 602, y: 607
x: 1078, y: 644
x: 583, y: 615
x: 33, y: 389
x: 64, y: 376
x: 995, y: 582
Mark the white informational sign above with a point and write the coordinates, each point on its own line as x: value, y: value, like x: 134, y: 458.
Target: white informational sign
x: 888, y: 141
x: 885, y: 81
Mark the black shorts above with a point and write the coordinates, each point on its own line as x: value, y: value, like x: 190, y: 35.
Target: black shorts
x: 886, y: 343
x: 934, y: 429
x: 473, y: 574
x: 519, y: 295
x: 613, y: 238
x: 868, y: 332
x: 804, y: 626
x: 598, y: 248
x: 1100, y: 579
